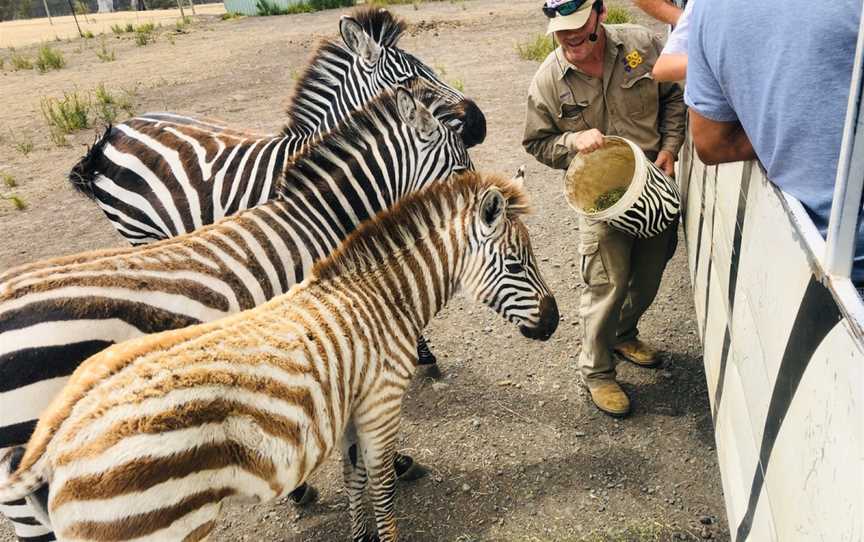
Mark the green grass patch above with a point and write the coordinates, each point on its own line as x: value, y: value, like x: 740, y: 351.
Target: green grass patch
x: 118, y: 29
x: 109, y: 106
x: 265, y: 7
x: 20, y: 62
x: 16, y: 202
x: 104, y: 54
x: 129, y: 28
x: 230, y: 15
x: 24, y: 147
x: 66, y: 115
x: 49, y: 59
x: 8, y: 180
x: 618, y: 15
x: 88, y: 35
x: 537, y: 49
x: 144, y: 34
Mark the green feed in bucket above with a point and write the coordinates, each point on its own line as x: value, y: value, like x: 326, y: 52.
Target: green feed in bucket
x: 607, y: 199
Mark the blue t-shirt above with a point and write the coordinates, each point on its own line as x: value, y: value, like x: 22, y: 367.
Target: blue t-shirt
x: 783, y: 70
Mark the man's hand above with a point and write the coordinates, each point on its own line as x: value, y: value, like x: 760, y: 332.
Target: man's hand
x: 589, y: 141
x: 666, y: 162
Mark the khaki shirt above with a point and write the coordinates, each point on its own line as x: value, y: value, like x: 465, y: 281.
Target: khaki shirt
x: 563, y: 101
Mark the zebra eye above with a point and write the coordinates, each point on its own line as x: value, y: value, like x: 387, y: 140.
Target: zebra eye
x: 514, y: 268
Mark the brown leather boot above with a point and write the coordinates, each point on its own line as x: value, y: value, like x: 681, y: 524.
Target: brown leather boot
x: 608, y: 396
x: 638, y: 352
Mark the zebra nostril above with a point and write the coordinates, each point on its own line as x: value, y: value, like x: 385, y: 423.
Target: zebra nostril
x: 548, y: 320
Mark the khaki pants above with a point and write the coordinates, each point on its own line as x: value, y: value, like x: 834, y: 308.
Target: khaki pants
x: 621, y: 275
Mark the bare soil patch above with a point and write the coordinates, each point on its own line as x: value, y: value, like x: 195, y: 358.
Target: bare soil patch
x: 514, y: 449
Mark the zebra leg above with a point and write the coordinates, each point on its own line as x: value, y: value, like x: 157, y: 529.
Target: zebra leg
x: 303, y: 495
x: 354, y: 475
x: 426, y: 359
x: 378, y: 450
x: 406, y: 468
x: 21, y: 513
x: 424, y: 355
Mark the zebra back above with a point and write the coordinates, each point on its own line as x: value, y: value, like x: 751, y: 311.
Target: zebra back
x: 161, y: 174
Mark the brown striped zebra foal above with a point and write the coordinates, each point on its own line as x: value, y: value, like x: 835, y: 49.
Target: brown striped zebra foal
x: 150, y: 436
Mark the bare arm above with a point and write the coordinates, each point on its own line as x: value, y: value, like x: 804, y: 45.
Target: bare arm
x: 719, y: 142
x: 660, y: 10
x: 670, y: 68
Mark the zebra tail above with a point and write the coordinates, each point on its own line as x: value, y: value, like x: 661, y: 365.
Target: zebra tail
x: 83, y: 174
x: 21, y: 483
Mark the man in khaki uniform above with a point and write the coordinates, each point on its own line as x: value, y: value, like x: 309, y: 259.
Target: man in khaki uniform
x: 598, y: 81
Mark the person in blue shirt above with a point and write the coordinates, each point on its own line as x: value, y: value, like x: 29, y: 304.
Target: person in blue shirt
x: 770, y: 80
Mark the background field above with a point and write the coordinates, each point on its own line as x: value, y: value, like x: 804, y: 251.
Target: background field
x: 515, y: 450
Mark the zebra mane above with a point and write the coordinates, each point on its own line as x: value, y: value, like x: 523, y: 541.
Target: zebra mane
x: 379, y: 23
x: 352, y: 132
x: 412, y: 218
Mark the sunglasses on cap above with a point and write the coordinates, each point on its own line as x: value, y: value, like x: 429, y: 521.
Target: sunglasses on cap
x: 565, y: 9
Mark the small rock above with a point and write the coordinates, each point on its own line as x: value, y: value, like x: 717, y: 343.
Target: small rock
x: 504, y: 382
x: 706, y: 533
x: 476, y: 423
x: 705, y: 520
x: 440, y: 386
x: 466, y: 488
x: 579, y: 434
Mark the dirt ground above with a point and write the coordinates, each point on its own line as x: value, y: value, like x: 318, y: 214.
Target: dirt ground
x: 514, y: 449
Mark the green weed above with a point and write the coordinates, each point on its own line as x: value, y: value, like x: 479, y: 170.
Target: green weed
x: 104, y: 54
x: 66, y: 115
x: 24, y: 147
x: 109, y: 106
x: 17, y: 202
x: 536, y: 50
x: 49, y: 59
x: 20, y: 62
x: 230, y: 15
x: 618, y: 15
x: 129, y: 27
x: 8, y: 180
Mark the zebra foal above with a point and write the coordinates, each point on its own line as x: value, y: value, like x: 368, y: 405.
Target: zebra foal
x: 149, y: 437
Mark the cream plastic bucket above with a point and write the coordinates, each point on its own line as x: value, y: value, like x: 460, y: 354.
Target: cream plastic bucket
x: 651, y: 202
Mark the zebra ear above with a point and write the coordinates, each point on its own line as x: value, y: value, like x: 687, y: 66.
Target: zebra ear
x: 492, y: 207
x: 358, y: 41
x: 414, y: 113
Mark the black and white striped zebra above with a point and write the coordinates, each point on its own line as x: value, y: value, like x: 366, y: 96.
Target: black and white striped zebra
x: 150, y: 437
x: 56, y: 313
x: 161, y: 174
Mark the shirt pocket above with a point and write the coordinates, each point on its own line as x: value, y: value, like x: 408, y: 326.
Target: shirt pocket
x: 572, y: 116
x: 640, y: 94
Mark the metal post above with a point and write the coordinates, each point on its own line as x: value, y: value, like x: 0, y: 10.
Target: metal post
x: 843, y: 226
x: 76, y: 18
x: 47, y: 11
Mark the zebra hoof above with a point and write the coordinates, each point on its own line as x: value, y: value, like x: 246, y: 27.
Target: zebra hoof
x: 407, y: 469
x: 304, y: 495
x: 431, y: 371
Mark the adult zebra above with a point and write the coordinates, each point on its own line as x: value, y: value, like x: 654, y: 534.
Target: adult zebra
x: 161, y: 430
x: 162, y: 174
x: 56, y: 313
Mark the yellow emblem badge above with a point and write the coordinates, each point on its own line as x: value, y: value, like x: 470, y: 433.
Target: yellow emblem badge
x: 634, y: 59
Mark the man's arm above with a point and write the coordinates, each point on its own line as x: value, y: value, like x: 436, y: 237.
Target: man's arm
x: 660, y: 10
x: 542, y: 138
x: 719, y: 142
